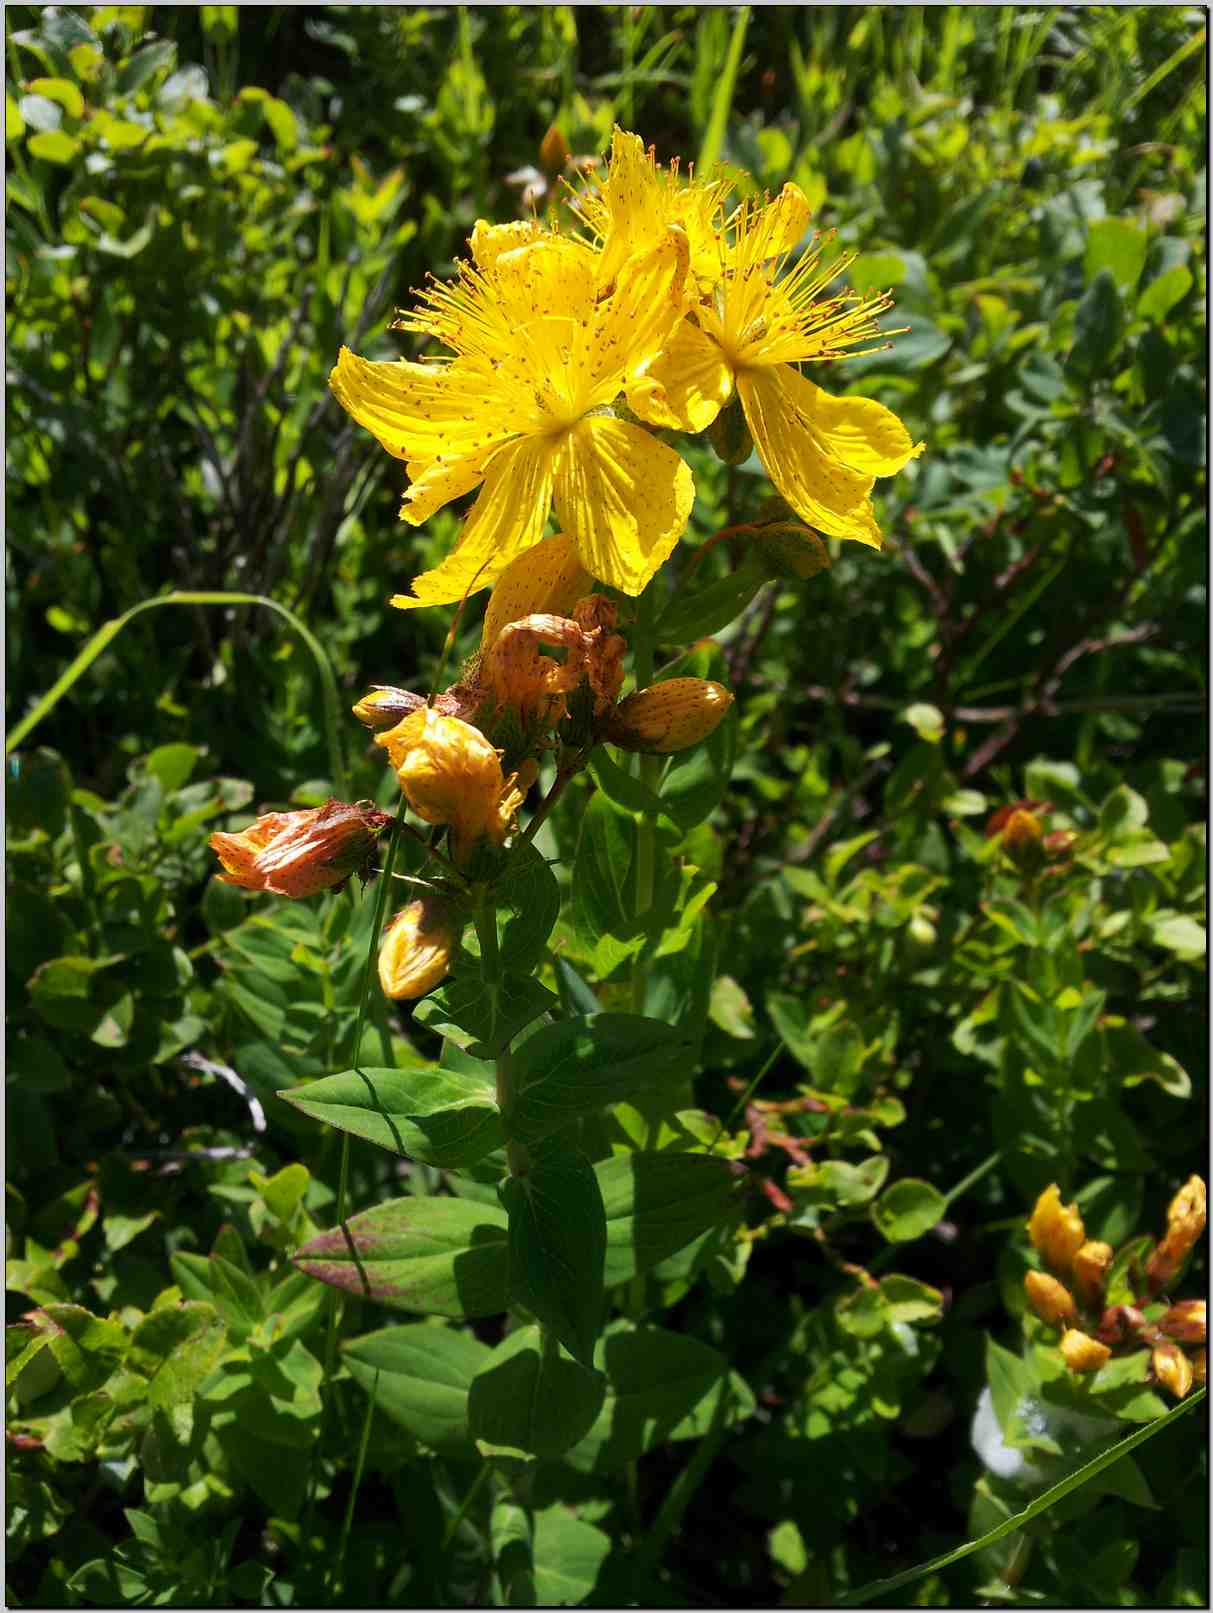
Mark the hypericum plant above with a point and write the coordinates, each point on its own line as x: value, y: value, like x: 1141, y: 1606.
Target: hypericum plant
x: 570, y: 359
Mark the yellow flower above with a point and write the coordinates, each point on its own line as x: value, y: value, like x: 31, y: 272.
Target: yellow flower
x: 1056, y: 1229
x: 1082, y: 1352
x: 449, y: 773
x: 1051, y: 1300
x: 639, y: 200
x: 822, y: 453
x: 299, y: 854
x: 416, y: 950
x: 523, y: 409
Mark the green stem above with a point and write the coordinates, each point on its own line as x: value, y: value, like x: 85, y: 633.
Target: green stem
x: 465, y: 1504
x: 648, y: 770
x: 347, y: 1522
x: 490, y: 973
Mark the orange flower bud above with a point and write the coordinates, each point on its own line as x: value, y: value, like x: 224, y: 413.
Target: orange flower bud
x: 385, y: 707
x: 1185, y: 1223
x: 1185, y: 1322
x: 1089, y: 1270
x: 1051, y: 1300
x: 553, y: 150
x: 450, y: 773
x: 297, y: 854
x: 668, y: 716
x: 1056, y: 1230
x: 997, y: 822
x: 415, y: 953
x: 1172, y: 1369
x: 1083, y: 1353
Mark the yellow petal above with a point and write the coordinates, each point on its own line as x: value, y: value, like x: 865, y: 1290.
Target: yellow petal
x: 858, y: 431
x: 624, y: 497
x: 508, y: 517
x: 824, y: 492
x: 686, y: 386
x: 768, y: 232
x: 418, y: 412
x: 552, y: 276
x: 548, y: 578
x: 633, y: 324
x: 438, y: 484
x: 489, y: 241
x: 631, y: 197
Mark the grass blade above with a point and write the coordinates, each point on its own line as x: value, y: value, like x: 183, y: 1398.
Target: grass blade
x: 722, y: 101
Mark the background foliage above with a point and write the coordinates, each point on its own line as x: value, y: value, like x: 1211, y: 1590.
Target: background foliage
x: 204, y: 203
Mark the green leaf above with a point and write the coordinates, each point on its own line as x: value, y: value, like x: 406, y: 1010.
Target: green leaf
x: 1164, y: 292
x: 697, y: 779
x: 567, y: 1555
x: 420, y: 1376
x: 660, y: 1386
x: 61, y: 90
x: 696, y: 614
x: 583, y: 1064
x: 1181, y: 935
x: 528, y: 905
x: 621, y: 787
x: 443, y: 1117
x: 655, y: 1204
x: 483, y: 1023
x: 557, y: 1240
x: 175, y: 1348
x: 53, y: 145
x: 601, y: 871
x: 1098, y: 323
x: 88, y: 1349
x: 144, y: 64
x: 530, y: 1399
x: 908, y: 1209
x: 434, y: 1256
x: 1118, y: 246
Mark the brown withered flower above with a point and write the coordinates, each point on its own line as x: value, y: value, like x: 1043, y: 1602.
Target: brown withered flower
x: 298, y: 854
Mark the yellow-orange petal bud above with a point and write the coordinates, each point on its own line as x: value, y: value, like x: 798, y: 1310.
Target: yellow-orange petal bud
x: 1082, y: 1352
x: 1056, y: 1229
x: 386, y: 707
x: 1186, y: 1322
x: 298, y: 854
x: 1051, y: 1300
x: 668, y: 716
x: 449, y: 773
x: 1185, y: 1222
x: 1199, y: 1368
x: 416, y: 950
x: 1172, y: 1369
x: 1089, y: 1271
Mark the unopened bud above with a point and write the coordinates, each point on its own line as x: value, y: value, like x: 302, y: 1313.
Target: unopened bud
x: 385, y: 707
x: 553, y: 151
x: 1089, y: 1271
x: 415, y: 953
x: 1185, y: 1223
x: 1121, y: 1322
x: 1199, y: 1368
x: 1172, y: 1369
x: 668, y: 716
x: 1022, y: 839
x: 1185, y: 1322
x: 729, y: 435
x: 1051, y: 1300
x: 298, y: 854
x: 997, y: 822
x: 1082, y: 1352
x: 1059, y: 843
x: 1056, y: 1230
